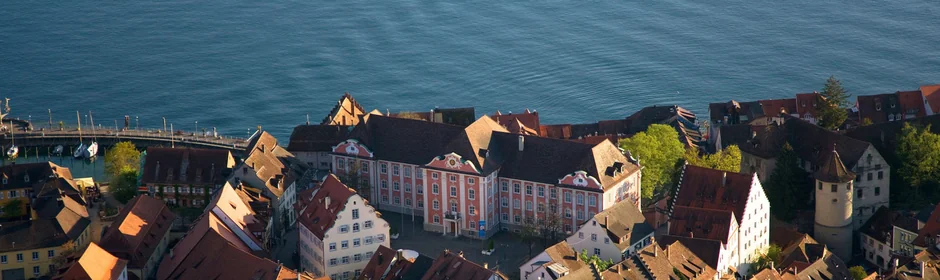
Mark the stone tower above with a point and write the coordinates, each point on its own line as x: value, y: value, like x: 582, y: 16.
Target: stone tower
x: 834, y: 205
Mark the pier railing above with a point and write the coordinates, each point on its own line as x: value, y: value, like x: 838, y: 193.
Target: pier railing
x: 147, y: 134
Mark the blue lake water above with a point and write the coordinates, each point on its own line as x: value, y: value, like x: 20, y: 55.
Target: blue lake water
x: 238, y: 64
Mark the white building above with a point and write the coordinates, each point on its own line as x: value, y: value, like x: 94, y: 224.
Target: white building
x: 338, y: 231
x: 613, y: 234
x: 726, y: 213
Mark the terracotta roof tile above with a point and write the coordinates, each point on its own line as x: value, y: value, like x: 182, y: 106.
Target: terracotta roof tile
x: 94, y: 264
x: 316, y: 213
x: 451, y: 266
x: 138, y: 229
x: 713, y: 189
x: 529, y: 120
x: 214, y: 257
x: 624, y: 221
x: 702, y: 223
x: 912, y: 102
x: 388, y: 263
x: 346, y: 112
x: 931, y: 94
x: 562, y: 253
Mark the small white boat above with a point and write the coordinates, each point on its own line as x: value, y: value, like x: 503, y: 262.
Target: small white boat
x: 58, y: 150
x: 13, y: 151
x: 80, y: 151
x: 92, y: 150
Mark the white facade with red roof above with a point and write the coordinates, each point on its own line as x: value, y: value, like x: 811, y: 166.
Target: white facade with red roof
x: 338, y: 230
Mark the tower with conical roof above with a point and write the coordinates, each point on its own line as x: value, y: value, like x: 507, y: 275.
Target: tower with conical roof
x: 834, y: 205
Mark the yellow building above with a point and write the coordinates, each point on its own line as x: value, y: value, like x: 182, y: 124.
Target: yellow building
x: 54, y: 221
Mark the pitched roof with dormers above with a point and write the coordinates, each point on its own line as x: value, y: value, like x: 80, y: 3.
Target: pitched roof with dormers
x: 316, y: 138
x: 624, y: 223
x: 451, y: 266
x: 707, y: 188
x: 318, y: 213
x: 186, y: 166
x: 138, y: 229
x: 94, y: 264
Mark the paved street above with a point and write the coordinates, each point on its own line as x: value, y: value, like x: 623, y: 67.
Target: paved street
x: 284, y: 252
x: 510, y: 251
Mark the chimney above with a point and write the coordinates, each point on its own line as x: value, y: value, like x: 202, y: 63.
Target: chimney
x: 619, y: 268
x: 460, y: 254
x: 486, y: 266
x: 577, y: 256
x: 401, y: 255
x: 724, y: 178
x: 655, y: 252
x: 326, y: 202
x: 521, y: 142
x: 606, y: 220
x: 895, y: 264
x: 923, y: 268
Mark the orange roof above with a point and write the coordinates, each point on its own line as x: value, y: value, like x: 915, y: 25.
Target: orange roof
x: 138, y: 229
x: 214, y: 257
x: 714, y: 189
x: 527, y: 119
x: 932, y: 95
x: 317, y: 215
x: 773, y: 107
x: 702, y: 223
x: 912, y: 102
x: 455, y: 267
x: 95, y: 264
x: 806, y: 103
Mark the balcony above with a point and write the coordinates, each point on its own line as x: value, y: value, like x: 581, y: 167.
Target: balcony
x: 452, y: 215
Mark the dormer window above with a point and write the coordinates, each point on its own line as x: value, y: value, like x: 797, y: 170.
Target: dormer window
x: 878, y: 107
x: 26, y: 178
x: 4, y: 180
x: 892, y: 105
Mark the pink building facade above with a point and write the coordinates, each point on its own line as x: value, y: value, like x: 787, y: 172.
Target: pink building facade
x: 475, y: 180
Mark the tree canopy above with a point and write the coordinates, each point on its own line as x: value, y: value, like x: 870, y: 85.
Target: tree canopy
x: 659, y: 152
x: 13, y: 208
x: 728, y: 159
x: 597, y: 261
x: 919, y: 152
x: 858, y: 272
x: 124, y: 186
x: 832, y: 111
x: 122, y: 157
x: 765, y: 259
x: 789, y: 187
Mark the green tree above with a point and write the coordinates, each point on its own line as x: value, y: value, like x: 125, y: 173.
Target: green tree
x: 529, y: 232
x: 832, y: 110
x: 14, y: 208
x: 659, y: 152
x: 122, y: 157
x: 919, y: 152
x: 728, y: 159
x: 768, y: 257
x: 597, y: 261
x: 124, y: 187
x: 788, y: 187
x: 858, y: 272
x: 866, y: 122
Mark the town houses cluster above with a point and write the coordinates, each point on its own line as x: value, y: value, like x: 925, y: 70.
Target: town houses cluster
x: 332, y: 202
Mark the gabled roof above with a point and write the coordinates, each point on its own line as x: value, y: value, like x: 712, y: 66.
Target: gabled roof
x: 346, y: 112
x: 214, y: 257
x: 271, y: 163
x: 138, y: 230
x: 689, y: 264
x: 875, y: 107
x: 29, y: 175
x: 474, y: 144
x: 405, y: 140
x: 808, y: 103
x: 317, y: 138
x: 911, y: 269
x: 389, y: 264
x: 809, y: 141
x: 702, y: 223
x: 652, y: 262
x: 186, y: 166
x: 624, y: 221
x: 912, y: 102
x: 884, y: 136
x: 557, y: 158
x: 318, y: 214
x: 927, y: 235
x: 562, y: 253
x: 832, y: 170
x: 706, y: 249
x: 736, y: 112
x: 879, y: 226
x: 61, y: 218
x: 451, y: 266
x: 713, y: 189
x: 774, y: 107
x: 932, y: 96
x: 526, y: 122
x: 95, y: 264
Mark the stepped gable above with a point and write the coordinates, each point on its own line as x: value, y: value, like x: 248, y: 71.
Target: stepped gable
x: 931, y: 94
x: 346, y: 112
x: 713, y: 189
x: 832, y: 170
x: 317, y: 138
x: 138, y: 229
x: 701, y: 223
x: 95, y: 263
x: 453, y: 266
x: 405, y: 140
x: 624, y: 223
x: 318, y: 214
x: 185, y: 166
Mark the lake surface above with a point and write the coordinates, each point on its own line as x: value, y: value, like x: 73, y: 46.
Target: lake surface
x: 238, y: 64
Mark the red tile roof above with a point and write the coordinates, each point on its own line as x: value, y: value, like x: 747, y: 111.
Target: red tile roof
x: 527, y: 119
x: 773, y: 107
x: 807, y: 103
x: 912, y: 102
x: 932, y: 95
x: 702, y: 223
x: 138, y: 229
x: 389, y: 264
x: 930, y: 230
x: 214, y: 257
x: 318, y: 215
x: 95, y: 264
x: 713, y: 189
x: 451, y: 266
x: 186, y: 166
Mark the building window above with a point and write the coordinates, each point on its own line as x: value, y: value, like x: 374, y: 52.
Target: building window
x: 473, y: 211
x: 419, y: 190
x: 834, y: 188
x: 395, y: 170
x: 344, y: 244
x: 597, y: 252
x: 436, y: 205
x: 504, y: 186
x: 435, y: 188
x: 407, y: 172
x: 877, y: 191
x: 396, y: 186
x: 333, y: 246
x: 592, y: 200
x: 580, y: 215
x: 541, y: 191
x: 357, y: 258
x: 397, y: 200
x: 471, y: 194
x: 385, y: 199
x: 35, y: 256
x: 606, y: 240
x: 517, y: 219
x: 453, y: 178
x: 344, y: 229
x: 881, y: 175
x: 380, y: 237
x: 3, y: 258
x: 408, y: 202
x: 434, y: 175
x: 368, y: 240
x: 528, y: 206
x: 541, y: 207
x: 341, y: 164
x: 568, y: 197
x: 421, y: 204
x: 820, y: 185
x: 505, y: 219
x: 384, y: 184
x: 355, y: 214
x: 516, y: 204
x: 383, y: 168
x: 869, y: 176
x: 552, y: 208
x: 471, y: 180
x: 580, y: 199
x: 528, y: 190
x: 346, y: 261
x: 364, y: 167
x: 437, y: 219
x: 355, y: 227
x: 860, y: 195
x: 36, y: 270
x: 568, y: 213
x: 356, y: 242
x: 580, y: 235
x: 594, y: 237
x: 368, y: 224
x: 419, y: 174
x: 552, y: 193
x: 453, y: 191
x: 19, y: 257
x: 453, y: 206
x: 505, y: 202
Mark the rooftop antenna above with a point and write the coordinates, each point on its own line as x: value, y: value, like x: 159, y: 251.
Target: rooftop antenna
x: 308, y: 119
